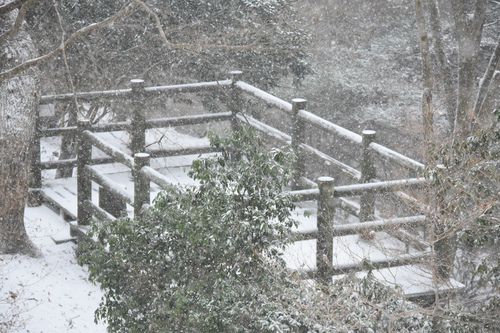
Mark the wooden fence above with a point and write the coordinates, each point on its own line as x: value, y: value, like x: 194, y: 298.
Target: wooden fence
x: 323, y: 189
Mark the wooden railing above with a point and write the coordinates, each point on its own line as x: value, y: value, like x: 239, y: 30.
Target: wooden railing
x: 367, y: 186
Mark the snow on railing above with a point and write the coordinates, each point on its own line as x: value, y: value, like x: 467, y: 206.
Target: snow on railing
x: 265, y: 96
x: 358, y: 189
x: 130, y: 93
x: 329, y: 126
x: 143, y: 174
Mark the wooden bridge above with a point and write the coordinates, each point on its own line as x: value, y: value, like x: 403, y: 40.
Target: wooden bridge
x: 356, y: 221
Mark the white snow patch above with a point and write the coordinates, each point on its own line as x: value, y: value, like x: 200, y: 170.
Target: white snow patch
x: 52, y: 293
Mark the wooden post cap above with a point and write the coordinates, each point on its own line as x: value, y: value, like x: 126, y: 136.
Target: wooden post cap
x: 299, y: 103
x: 137, y: 84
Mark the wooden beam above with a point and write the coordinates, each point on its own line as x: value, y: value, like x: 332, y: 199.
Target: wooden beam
x: 114, y: 152
x: 111, y: 185
x: 127, y: 93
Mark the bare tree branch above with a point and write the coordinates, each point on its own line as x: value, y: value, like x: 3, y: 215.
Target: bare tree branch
x: 71, y: 40
x: 191, y: 46
x: 9, y: 6
x: 444, y: 68
x: 427, y: 114
x: 484, y: 84
x: 19, y: 20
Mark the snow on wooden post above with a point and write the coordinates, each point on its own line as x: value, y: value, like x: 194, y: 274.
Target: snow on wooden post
x: 367, y: 200
x: 141, y: 183
x: 138, y: 132
x: 324, y: 244
x: 297, y: 139
x: 84, y: 184
x: 235, y: 103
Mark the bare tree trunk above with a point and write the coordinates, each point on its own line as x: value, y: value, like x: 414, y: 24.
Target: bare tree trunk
x: 487, y: 79
x: 427, y: 112
x: 469, y: 18
x: 444, y: 75
x: 19, y: 99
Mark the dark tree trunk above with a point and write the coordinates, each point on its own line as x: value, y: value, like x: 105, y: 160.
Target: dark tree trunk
x: 19, y: 98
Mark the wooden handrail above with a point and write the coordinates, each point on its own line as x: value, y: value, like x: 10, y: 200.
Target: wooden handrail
x: 325, y: 194
x: 356, y: 228
x: 150, y: 124
x: 111, y: 185
x: 128, y: 93
x: 265, y: 96
x: 157, y: 177
x: 329, y: 126
x: 378, y: 187
x: 188, y: 120
x: 401, y: 260
x: 114, y: 152
x: 358, y: 189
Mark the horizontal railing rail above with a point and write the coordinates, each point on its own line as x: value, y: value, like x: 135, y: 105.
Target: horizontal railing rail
x: 130, y: 93
x: 108, y: 149
x: 358, y: 189
x: 150, y: 124
x: 112, y: 186
x: 367, y: 264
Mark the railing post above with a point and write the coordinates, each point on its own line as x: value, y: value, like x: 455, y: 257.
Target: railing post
x: 138, y: 132
x: 111, y: 202
x: 368, y: 172
x: 235, y: 95
x: 444, y: 236
x: 324, y: 245
x: 35, y: 168
x: 141, y: 183
x: 297, y: 139
x: 84, y: 184
x: 68, y: 143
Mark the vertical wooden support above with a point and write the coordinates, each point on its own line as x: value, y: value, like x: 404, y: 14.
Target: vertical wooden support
x: 324, y: 245
x: 138, y: 132
x: 111, y: 202
x: 36, y: 172
x: 443, y: 235
x: 235, y: 103
x: 35, y: 169
x: 68, y: 143
x: 141, y: 183
x: 367, y: 200
x: 84, y: 184
x: 297, y: 139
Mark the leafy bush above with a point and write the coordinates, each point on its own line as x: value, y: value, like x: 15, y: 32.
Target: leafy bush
x: 206, y: 259
x: 195, y: 260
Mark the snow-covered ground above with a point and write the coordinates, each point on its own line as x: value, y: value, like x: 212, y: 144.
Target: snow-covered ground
x: 51, y: 293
